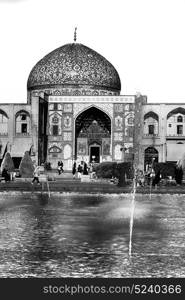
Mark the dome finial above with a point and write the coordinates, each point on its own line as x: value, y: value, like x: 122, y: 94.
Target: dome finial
x: 75, y: 34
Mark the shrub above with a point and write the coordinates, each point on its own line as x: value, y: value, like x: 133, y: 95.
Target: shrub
x: 7, y: 163
x: 106, y: 170
x: 114, y: 169
x: 26, y: 166
x: 166, y: 169
x: 125, y: 170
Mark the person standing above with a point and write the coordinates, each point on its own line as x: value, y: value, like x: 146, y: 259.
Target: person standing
x: 6, y: 174
x: 61, y: 166
x: 74, y: 170
x: 79, y: 171
x: 156, y: 179
x: 85, y: 170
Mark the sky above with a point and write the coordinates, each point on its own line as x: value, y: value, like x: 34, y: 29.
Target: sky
x: 143, y: 39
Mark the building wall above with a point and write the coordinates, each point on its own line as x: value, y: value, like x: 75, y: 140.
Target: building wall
x: 130, y: 118
x: 166, y: 142
x: 15, y: 141
x: 63, y: 111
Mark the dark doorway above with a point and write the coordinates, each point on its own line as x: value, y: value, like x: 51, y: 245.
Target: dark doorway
x: 95, y: 154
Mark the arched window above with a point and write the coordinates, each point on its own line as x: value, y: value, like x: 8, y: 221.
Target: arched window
x: 22, y: 121
x: 3, y: 123
x: 176, y: 122
x: 179, y: 119
x: 151, y: 123
x: 178, y: 110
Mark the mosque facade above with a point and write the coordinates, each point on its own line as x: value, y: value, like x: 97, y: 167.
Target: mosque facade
x: 75, y: 111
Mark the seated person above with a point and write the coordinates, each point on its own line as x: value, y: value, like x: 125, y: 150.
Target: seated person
x: 6, y: 175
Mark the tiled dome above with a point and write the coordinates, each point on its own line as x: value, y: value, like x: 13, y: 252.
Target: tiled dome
x: 74, y: 66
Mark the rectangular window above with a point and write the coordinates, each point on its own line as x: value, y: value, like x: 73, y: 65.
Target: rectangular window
x: 23, y: 117
x: 150, y: 129
x: 55, y: 106
x: 23, y: 128
x: 55, y: 129
x: 179, y: 129
x: 130, y: 131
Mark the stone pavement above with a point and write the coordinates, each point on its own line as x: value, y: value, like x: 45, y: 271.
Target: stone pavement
x: 66, y: 183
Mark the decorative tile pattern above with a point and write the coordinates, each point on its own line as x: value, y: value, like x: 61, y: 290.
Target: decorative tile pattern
x: 55, y: 147
x: 117, y: 152
x: 67, y: 122
x: 74, y: 64
x: 68, y: 107
x: 55, y: 119
x: 118, y: 107
x: 118, y: 136
x: 67, y: 151
x: 106, y: 107
x: 118, y: 122
x: 128, y: 146
x: 67, y: 136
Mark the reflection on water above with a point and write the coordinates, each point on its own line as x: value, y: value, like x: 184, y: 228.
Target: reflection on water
x: 88, y: 236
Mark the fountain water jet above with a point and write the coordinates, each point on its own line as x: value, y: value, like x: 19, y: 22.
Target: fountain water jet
x: 133, y: 199
x: 49, y: 194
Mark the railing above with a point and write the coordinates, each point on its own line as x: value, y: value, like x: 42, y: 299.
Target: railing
x: 151, y: 135
x: 22, y: 134
x: 176, y: 135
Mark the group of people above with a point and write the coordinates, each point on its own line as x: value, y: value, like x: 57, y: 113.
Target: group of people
x: 81, y: 168
x: 150, y: 177
x: 8, y: 175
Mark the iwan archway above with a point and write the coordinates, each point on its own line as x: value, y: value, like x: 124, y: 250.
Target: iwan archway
x: 93, y: 136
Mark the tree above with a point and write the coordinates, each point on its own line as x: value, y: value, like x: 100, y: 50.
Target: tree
x: 7, y: 163
x: 26, y: 167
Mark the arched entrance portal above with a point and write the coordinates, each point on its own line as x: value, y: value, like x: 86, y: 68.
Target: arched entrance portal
x: 93, y: 136
x: 151, y: 155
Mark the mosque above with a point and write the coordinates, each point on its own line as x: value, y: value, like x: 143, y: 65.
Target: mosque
x: 75, y: 111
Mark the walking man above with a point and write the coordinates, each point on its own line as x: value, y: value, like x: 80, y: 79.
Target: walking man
x: 36, y: 174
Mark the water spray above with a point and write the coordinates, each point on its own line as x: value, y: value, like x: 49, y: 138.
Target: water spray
x: 132, y: 211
